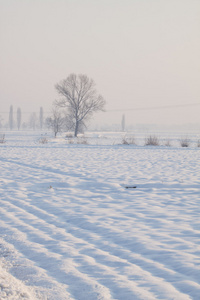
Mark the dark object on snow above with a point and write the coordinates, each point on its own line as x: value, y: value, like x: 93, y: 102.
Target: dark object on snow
x: 130, y: 187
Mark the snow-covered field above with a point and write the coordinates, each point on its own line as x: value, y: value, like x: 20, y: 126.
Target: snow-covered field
x: 70, y: 229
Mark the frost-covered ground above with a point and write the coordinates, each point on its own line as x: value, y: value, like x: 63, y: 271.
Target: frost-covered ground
x: 70, y: 229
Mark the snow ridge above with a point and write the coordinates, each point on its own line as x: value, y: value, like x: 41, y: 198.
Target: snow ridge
x: 71, y: 230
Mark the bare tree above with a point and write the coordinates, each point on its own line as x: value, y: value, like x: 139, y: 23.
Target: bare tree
x: 11, y: 121
x: 32, y: 121
x: 80, y: 98
x: 41, y: 117
x: 19, y: 118
x: 1, y: 119
x: 55, y: 121
x: 123, y: 123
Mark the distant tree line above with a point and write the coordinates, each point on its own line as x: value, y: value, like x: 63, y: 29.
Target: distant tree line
x: 15, y: 120
x: 78, y: 101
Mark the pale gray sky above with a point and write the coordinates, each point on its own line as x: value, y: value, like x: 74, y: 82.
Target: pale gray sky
x: 140, y: 53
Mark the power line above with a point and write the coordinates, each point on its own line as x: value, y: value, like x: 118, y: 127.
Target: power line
x: 129, y: 109
x: 154, y: 107
x: 24, y: 112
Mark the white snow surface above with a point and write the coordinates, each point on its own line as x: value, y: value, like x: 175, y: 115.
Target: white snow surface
x: 70, y: 229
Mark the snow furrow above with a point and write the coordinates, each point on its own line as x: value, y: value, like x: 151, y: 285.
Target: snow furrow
x: 77, y: 233
x: 100, y: 252
x: 33, y: 244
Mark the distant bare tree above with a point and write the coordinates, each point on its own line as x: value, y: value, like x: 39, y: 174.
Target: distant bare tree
x: 55, y: 121
x: 80, y: 99
x: 123, y: 123
x: 24, y: 125
x: 19, y: 118
x: 1, y: 119
x: 32, y: 121
x: 11, y: 121
x: 41, y: 117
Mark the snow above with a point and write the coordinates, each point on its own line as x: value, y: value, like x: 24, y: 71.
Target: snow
x: 70, y: 229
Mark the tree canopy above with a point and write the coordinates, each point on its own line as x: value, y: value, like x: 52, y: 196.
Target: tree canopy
x: 81, y: 99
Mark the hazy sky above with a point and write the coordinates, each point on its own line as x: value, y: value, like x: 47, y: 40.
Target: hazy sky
x: 140, y: 53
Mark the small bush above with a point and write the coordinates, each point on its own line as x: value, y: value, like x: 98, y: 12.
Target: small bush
x: 79, y: 140
x: 128, y: 140
x: 2, y: 139
x: 43, y: 140
x: 184, y: 142
x: 152, y: 140
x: 82, y: 141
x: 124, y: 141
x: 69, y: 135
x: 70, y: 141
x: 167, y: 143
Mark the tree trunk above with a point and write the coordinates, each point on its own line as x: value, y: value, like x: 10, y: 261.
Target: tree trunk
x: 76, y: 129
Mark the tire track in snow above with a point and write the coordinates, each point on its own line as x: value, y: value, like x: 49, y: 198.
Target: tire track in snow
x: 74, y: 275
x: 79, y: 219
x: 51, y: 259
x: 62, y: 237
x: 52, y: 220
x: 77, y: 230
x: 104, y: 253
